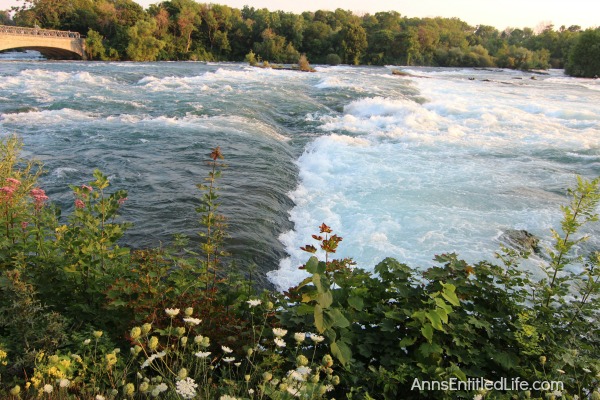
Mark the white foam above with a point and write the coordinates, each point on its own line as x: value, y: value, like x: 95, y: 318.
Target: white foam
x: 399, y: 178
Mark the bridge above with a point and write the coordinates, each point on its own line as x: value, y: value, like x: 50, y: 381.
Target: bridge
x: 51, y: 43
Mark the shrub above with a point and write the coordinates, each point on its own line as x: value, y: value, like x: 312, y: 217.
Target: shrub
x: 584, y: 57
x: 333, y: 59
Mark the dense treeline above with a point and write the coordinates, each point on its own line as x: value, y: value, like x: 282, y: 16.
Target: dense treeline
x: 187, y: 30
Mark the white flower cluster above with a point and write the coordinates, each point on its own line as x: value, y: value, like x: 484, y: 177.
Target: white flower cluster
x: 152, y: 358
x: 186, y: 388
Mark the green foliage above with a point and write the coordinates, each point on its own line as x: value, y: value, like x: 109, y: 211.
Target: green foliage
x: 71, y: 298
x: 187, y: 30
x: 584, y: 57
x: 94, y: 46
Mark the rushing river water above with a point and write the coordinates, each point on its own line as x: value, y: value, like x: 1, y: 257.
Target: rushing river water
x: 407, y: 167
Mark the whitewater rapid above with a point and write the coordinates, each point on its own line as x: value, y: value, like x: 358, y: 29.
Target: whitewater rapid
x: 445, y: 160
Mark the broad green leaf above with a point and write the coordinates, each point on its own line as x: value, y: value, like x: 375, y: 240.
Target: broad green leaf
x: 356, y: 302
x: 325, y: 299
x: 312, y: 264
x: 449, y: 295
x: 335, y: 318
x: 426, y: 349
x: 319, y: 323
x: 427, y: 332
x: 342, y: 352
x: 435, y: 320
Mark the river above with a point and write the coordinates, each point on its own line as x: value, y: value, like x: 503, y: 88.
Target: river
x: 444, y: 160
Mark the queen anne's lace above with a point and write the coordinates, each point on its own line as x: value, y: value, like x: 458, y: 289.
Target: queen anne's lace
x: 186, y: 388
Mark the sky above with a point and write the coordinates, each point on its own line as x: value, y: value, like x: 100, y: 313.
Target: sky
x: 498, y: 13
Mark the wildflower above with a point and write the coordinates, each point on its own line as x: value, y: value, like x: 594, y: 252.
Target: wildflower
x: 182, y: 374
x: 87, y: 188
x: 100, y: 397
x: 111, y: 359
x: 267, y: 376
x: 586, y: 370
x: 184, y: 340
x: 153, y: 343
x: 250, y: 391
x: 560, y: 371
x: 146, y: 328
x: 144, y: 386
x: 327, y: 361
x: 542, y: 360
x: 247, y: 378
x: 158, y: 389
x: 279, y: 342
x: 16, y: 390
x: 152, y: 358
x: 595, y: 395
x: 180, y: 330
x: 79, y: 204
x: 279, y: 332
x: 64, y: 383
x: 24, y: 225
x: 301, y: 360
x: 227, y: 397
x: 48, y: 388
x: 128, y: 389
x: 172, y: 312
x: 299, y: 337
x: 557, y: 393
x: 315, y: 378
x: 186, y: 388
x: 254, y: 303
x: 135, y: 333
x: 192, y: 321
x: 122, y: 200
x: 478, y: 397
x: 316, y: 338
x: 136, y: 350
x: 237, y: 364
x: 201, y: 354
x: 13, y: 182
x: 229, y: 359
x: 226, y: 349
x: 335, y: 380
x: 269, y: 305
x: 97, y: 334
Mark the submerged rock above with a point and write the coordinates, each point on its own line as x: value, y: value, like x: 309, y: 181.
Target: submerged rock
x: 521, y: 240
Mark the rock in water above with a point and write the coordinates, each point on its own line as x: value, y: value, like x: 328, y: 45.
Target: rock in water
x: 520, y: 240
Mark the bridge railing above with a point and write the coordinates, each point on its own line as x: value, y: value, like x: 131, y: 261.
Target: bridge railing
x: 23, y: 31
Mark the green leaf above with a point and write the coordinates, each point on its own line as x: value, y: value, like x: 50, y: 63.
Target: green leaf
x: 319, y: 323
x: 325, y: 299
x: 312, y: 265
x: 356, y: 302
x: 342, y: 352
x: 427, y: 332
x: 426, y: 349
x: 449, y: 295
x: 335, y: 318
x: 435, y: 320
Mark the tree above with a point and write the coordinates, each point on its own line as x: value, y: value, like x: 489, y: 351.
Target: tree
x: 354, y: 43
x: 5, y: 18
x: 94, y: 46
x: 143, y: 46
x: 584, y: 58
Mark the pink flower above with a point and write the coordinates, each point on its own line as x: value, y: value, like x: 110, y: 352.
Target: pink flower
x: 13, y: 182
x: 24, y: 224
x: 88, y: 188
x: 39, y: 196
x: 79, y: 204
x: 8, y: 190
x: 122, y: 201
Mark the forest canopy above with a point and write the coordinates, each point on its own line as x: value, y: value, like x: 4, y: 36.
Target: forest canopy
x: 187, y: 30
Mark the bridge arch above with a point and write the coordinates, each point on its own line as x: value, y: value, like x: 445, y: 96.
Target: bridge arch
x: 51, y: 43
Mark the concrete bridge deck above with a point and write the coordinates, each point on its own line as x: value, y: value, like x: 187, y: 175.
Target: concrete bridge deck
x: 51, y: 43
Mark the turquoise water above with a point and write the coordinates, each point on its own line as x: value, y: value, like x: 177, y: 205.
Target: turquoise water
x: 399, y: 166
